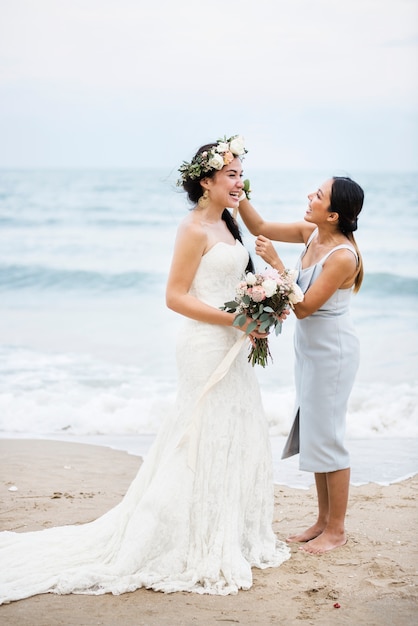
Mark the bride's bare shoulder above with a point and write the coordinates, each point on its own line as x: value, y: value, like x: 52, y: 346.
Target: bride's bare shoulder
x: 191, y: 229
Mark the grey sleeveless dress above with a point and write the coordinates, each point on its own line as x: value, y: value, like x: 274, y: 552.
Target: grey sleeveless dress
x: 327, y: 358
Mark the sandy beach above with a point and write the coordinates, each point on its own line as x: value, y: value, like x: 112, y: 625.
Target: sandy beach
x: 372, y: 580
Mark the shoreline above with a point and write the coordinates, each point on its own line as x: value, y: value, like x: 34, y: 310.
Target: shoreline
x: 373, y: 577
x: 381, y: 460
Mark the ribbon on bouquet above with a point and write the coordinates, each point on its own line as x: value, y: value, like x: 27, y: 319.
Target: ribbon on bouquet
x: 191, y: 435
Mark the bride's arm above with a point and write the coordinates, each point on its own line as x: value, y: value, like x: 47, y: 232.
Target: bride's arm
x: 190, y: 245
x: 188, y: 251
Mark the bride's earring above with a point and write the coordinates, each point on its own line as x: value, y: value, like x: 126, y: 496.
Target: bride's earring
x: 203, y: 201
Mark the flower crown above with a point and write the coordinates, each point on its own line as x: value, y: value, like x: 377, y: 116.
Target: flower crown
x: 213, y: 159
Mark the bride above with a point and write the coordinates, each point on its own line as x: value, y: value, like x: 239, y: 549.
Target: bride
x: 198, y: 516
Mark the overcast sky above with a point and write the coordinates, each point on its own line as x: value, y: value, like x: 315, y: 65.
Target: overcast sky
x: 129, y: 83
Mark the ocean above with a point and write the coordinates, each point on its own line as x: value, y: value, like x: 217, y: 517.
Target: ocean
x: 87, y: 345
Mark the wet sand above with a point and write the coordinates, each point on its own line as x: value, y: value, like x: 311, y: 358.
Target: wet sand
x: 372, y: 580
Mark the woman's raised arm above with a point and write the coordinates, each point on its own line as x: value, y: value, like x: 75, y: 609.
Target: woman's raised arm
x: 295, y: 232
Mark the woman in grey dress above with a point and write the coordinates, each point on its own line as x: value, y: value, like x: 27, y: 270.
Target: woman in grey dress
x: 326, y: 345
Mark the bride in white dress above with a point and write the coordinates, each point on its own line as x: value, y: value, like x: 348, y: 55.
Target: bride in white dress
x: 198, y: 516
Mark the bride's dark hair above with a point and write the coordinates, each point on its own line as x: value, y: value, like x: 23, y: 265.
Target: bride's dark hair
x: 194, y: 191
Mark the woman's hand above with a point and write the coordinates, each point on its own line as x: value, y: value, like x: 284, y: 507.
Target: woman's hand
x: 265, y: 249
x: 254, y: 334
x: 283, y: 315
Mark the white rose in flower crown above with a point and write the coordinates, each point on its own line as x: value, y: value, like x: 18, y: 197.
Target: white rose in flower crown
x: 237, y: 145
x: 222, y: 147
x: 296, y: 295
x: 269, y: 287
x: 251, y: 278
x: 216, y: 161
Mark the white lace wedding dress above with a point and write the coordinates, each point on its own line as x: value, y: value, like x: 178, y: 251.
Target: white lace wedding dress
x: 199, y: 513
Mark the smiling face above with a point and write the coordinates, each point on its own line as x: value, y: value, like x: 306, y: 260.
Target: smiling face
x: 319, y: 204
x: 225, y: 187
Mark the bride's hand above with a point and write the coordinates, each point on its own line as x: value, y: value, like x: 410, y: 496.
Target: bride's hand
x: 254, y: 334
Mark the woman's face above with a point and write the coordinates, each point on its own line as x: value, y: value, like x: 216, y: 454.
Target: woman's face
x: 319, y: 203
x: 225, y: 187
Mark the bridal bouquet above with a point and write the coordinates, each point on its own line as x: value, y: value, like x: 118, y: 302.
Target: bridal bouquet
x: 264, y: 296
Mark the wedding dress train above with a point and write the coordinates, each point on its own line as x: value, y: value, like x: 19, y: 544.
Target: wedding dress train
x: 198, y: 516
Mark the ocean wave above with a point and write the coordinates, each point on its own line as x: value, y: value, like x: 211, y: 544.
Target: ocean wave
x: 101, y: 221
x: 139, y: 405
x: 384, y: 283
x: 21, y: 277
x: 44, y: 392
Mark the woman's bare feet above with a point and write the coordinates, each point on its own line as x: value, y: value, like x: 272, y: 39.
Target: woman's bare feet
x: 311, y: 533
x: 325, y: 542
